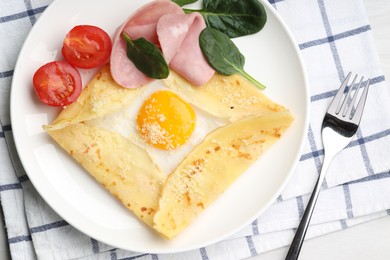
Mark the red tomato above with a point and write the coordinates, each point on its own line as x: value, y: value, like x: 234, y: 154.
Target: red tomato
x: 87, y: 46
x: 57, y: 83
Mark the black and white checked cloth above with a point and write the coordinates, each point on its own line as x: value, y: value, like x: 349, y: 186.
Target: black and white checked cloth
x: 334, y: 37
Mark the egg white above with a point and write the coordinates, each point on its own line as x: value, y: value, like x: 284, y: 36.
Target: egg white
x: 124, y: 123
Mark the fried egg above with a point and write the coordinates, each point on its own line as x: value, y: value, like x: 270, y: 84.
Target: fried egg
x: 160, y: 121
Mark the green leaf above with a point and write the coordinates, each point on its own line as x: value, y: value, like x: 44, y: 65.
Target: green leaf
x: 146, y: 57
x: 223, y: 55
x: 233, y: 17
x: 184, y: 2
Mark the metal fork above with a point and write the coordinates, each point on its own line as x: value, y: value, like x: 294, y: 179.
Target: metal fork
x: 340, y: 124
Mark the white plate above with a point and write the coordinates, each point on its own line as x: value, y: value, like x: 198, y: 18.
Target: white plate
x: 271, y: 56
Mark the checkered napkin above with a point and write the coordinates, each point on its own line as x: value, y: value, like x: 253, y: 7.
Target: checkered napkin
x: 334, y: 37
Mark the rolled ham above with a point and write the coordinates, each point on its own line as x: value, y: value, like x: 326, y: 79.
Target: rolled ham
x: 142, y: 23
x: 163, y: 23
x: 178, y: 35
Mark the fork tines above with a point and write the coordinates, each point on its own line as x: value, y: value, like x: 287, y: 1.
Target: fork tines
x: 343, y: 105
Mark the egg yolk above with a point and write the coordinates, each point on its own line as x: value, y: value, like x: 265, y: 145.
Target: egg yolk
x: 165, y: 120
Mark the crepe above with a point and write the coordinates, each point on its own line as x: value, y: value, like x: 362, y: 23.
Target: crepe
x: 110, y: 159
x: 213, y: 166
x: 170, y: 203
x: 101, y: 96
x: 231, y: 97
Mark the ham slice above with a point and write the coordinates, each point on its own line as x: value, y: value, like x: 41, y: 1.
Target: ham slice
x: 142, y: 23
x: 163, y: 23
x: 178, y: 35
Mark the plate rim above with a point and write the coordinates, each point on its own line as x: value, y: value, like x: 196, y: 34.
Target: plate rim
x: 302, y: 136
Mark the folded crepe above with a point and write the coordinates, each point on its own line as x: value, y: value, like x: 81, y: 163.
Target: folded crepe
x: 170, y: 203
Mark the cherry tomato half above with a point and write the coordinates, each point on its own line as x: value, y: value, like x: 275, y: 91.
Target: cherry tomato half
x: 57, y: 83
x: 87, y: 46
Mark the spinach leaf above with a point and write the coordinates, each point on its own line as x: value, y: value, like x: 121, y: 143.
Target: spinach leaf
x: 146, y: 57
x: 223, y: 55
x: 184, y: 2
x: 233, y: 17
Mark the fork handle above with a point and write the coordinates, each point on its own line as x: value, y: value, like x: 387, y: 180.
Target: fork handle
x: 299, y: 236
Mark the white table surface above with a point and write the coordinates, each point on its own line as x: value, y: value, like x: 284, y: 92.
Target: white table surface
x: 370, y: 240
